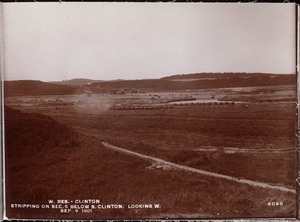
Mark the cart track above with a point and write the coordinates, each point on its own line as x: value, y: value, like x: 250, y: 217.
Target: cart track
x: 203, y: 172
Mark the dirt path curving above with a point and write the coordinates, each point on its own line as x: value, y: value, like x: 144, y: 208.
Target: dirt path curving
x: 203, y: 172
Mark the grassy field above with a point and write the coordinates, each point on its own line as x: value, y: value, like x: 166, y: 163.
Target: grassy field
x: 59, y: 154
x: 176, y: 136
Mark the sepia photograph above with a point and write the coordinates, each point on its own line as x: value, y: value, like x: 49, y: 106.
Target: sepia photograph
x: 149, y: 110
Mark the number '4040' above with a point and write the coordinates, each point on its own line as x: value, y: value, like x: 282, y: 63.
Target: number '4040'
x: 275, y: 203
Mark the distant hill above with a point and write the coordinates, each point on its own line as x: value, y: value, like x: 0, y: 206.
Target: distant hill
x: 202, y: 81
x: 76, y: 82
x: 202, y: 76
x: 32, y: 87
x: 175, y: 82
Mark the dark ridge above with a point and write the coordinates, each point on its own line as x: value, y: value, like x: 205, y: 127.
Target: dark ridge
x: 37, y: 135
x: 33, y: 87
x: 208, y: 81
x: 220, y: 75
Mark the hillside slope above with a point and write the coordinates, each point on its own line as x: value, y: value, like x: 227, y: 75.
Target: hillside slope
x: 29, y: 134
x: 208, y: 81
x: 32, y: 87
x: 33, y: 143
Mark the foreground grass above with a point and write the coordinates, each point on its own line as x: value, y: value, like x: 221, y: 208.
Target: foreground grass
x: 93, y: 171
x: 175, y: 135
x: 64, y: 164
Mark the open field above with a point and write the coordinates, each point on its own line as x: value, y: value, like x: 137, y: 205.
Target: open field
x: 242, y: 132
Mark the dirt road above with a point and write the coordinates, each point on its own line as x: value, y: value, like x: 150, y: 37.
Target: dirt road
x: 203, y: 172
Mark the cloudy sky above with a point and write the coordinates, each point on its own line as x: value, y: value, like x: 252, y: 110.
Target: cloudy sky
x: 58, y: 41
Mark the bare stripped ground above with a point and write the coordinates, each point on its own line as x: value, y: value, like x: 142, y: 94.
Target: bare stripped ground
x: 203, y: 172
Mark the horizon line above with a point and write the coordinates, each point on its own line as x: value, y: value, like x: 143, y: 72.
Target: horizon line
x: 122, y: 79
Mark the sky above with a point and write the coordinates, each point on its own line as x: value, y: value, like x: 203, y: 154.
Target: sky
x: 60, y: 41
